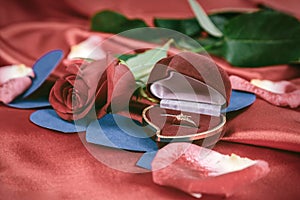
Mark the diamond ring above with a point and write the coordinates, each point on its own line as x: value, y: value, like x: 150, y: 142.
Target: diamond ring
x: 181, y: 117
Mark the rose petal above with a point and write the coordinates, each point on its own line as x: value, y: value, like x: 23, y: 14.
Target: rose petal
x: 57, y: 91
x: 74, y: 67
x: 101, y: 102
x: 197, y: 170
x: 291, y: 99
x: 89, y: 48
x: 69, y: 100
x: 59, y: 106
x: 278, y: 87
x: 13, y: 88
x: 124, y: 86
x: 14, y: 71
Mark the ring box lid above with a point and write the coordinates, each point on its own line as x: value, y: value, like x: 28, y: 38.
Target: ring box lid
x: 184, y: 93
x: 190, y: 82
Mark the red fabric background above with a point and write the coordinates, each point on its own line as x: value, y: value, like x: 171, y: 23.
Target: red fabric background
x: 36, y: 163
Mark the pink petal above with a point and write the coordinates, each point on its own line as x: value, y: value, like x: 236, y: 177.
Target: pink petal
x: 278, y: 87
x: 290, y: 98
x: 197, y: 170
x: 14, y: 71
x: 13, y: 88
x: 89, y: 48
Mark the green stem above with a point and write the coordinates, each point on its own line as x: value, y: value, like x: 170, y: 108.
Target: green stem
x: 208, y: 47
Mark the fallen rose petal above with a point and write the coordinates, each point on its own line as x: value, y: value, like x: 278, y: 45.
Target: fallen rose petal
x: 13, y: 88
x: 291, y: 99
x: 14, y: 71
x: 89, y: 48
x: 197, y: 170
x: 278, y: 87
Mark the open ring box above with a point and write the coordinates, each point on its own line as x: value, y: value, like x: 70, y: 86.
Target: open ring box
x: 191, y: 90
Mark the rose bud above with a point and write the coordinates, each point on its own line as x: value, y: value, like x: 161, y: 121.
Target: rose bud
x: 89, y: 86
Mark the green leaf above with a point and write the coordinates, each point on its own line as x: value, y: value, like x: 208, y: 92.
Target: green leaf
x: 211, y: 45
x: 142, y: 64
x: 204, y: 20
x: 191, y: 26
x: 125, y: 57
x: 113, y: 22
x: 261, y: 38
x: 188, y: 27
x: 221, y: 19
x: 187, y: 44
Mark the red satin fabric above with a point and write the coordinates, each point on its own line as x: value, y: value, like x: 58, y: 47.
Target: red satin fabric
x: 36, y: 163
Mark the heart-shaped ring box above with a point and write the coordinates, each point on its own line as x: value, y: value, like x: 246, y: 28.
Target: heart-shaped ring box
x: 191, y: 90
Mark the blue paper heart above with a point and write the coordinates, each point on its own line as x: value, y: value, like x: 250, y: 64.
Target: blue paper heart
x: 146, y: 160
x: 239, y: 100
x: 111, y: 131
x: 42, y: 69
x: 48, y: 118
x: 30, y: 103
